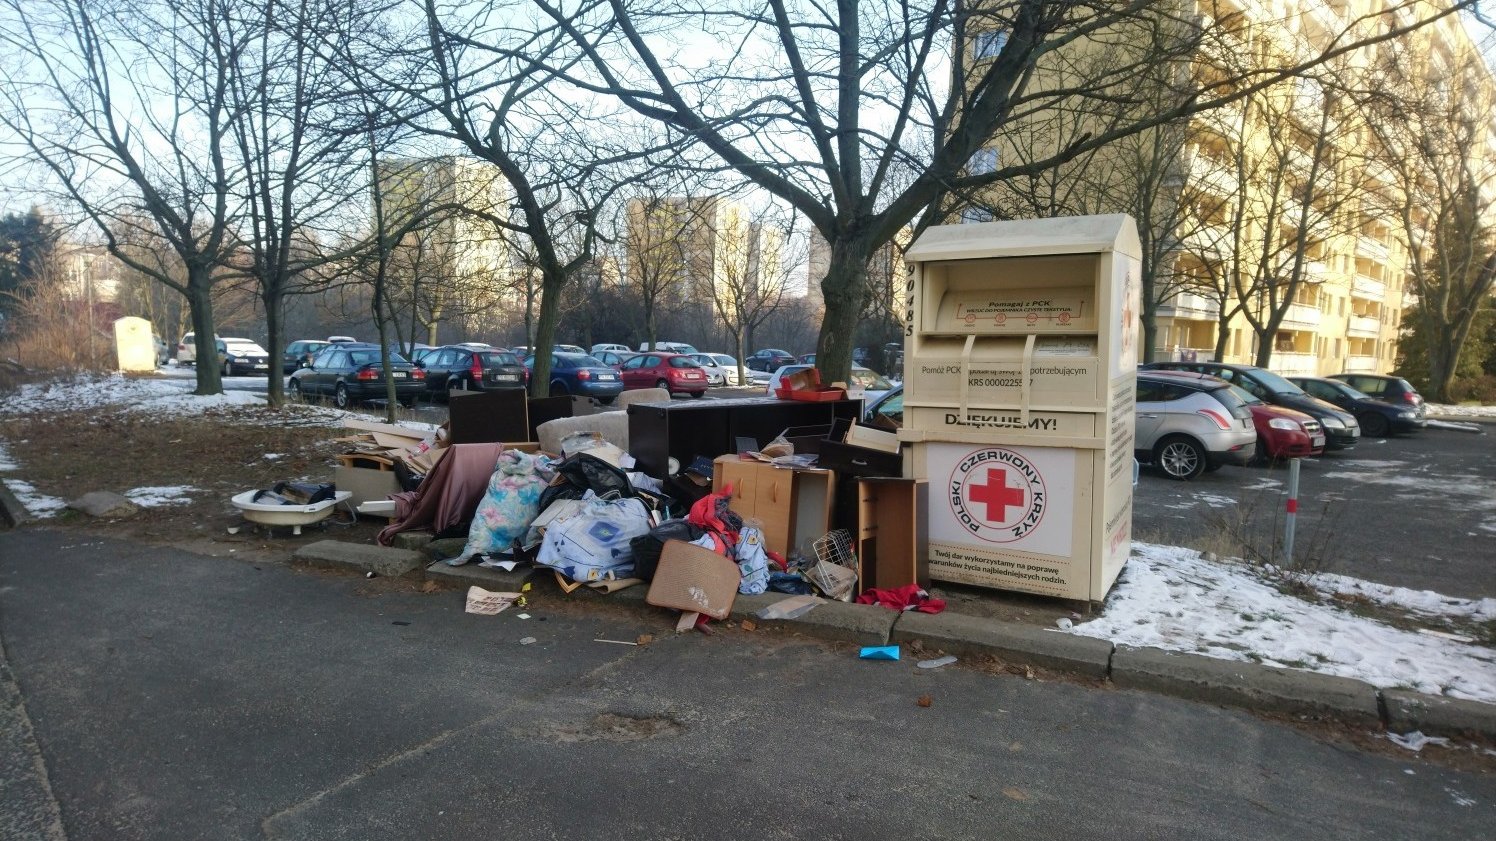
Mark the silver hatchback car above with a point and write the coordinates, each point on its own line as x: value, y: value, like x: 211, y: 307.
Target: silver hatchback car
x: 1189, y: 423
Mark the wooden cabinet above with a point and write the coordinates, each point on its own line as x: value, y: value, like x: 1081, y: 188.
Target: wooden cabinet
x: 892, y: 522
x: 792, y: 507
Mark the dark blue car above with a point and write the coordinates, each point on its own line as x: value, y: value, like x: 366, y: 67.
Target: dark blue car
x: 1378, y: 418
x: 578, y: 373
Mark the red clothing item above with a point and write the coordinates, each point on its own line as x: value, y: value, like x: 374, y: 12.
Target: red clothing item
x: 907, y: 597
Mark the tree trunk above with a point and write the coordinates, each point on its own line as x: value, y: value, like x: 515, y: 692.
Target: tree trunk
x: 845, y: 290
x: 551, y: 284
x: 200, y: 302
x: 1223, y: 335
x: 275, y: 304
x: 1150, y: 334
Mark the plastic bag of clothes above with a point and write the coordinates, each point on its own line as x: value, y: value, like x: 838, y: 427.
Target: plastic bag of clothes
x: 753, y: 561
x: 593, y: 544
x: 507, y: 508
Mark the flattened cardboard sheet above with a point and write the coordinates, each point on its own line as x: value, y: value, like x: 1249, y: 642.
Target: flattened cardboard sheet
x: 694, y: 578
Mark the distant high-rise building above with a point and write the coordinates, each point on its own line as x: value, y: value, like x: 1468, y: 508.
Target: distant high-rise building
x: 696, y: 248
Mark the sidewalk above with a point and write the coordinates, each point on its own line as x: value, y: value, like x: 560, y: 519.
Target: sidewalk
x: 1013, y: 645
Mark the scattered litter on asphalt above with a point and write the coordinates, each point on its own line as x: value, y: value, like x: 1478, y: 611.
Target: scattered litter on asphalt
x: 924, y: 701
x: 937, y: 662
x: 1415, y: 741
x: 1064, y: 624
x: 879, y: 652
x: 645, y: 639
x: 487, y: 602
x: 750, y: 625
x: 790, y: 608
x: 616, y: 642
x: 526, y: 640
x: 369, y: 574
x: 523, y: 615
x: 399, y: 622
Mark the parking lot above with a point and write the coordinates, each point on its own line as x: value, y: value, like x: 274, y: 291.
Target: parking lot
x: 1415, y: 511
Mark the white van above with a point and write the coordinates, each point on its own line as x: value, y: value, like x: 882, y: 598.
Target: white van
x: 669, y: 347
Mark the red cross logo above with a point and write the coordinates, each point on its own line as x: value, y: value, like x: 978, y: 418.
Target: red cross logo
x: 996, y: 493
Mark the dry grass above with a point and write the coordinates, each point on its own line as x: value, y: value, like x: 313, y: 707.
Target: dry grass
x: 219, y: 453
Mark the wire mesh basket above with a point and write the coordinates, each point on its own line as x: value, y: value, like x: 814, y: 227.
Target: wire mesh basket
x: 835, y: 570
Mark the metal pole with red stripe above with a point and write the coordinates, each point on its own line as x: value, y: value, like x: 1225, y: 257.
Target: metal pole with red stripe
x: 1291, y: 511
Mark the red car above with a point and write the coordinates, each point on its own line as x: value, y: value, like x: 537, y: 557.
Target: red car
x: 674, y: 371
x: 1285, y: 433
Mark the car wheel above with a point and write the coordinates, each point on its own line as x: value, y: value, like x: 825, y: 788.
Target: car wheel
x: 1179, y: 458
x: 293, y: 391
x: 559, y: 389
x: 606, y: 401
x: 664, y: 385
x: 340, y: 396
x: 697, y: 393
x: 1374, y: 425
x: 228, y: 370
x: 407, y: 402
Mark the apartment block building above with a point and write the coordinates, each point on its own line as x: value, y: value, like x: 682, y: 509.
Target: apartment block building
x: 699, y: 249
x: 1284, y: 217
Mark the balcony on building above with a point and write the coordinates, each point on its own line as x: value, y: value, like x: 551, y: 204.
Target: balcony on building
x: 1302, y: 317
x: 1295, y: 364
x: 1368, y: 287
x: 1361, y: 364
x: 1189, y: 305
x: 1363, y: 326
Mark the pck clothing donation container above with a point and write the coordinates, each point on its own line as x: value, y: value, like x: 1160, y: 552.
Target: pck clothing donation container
x: 1019, y: 377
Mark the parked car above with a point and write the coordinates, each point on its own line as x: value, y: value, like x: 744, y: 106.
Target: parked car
x: 809, y: 359
x: 578, y: 373
x: 569, y: 349
x: 1378, y: 418
x: 342, y: 340
x: 1281, y: 432
x: 769, y: 359
x: 669, y: 347
x: 599, y: 348
x: 887, y: 412
x: 678, y: 373
x: 350, y: 372
x: 1394, y: 390
x: 299, y: 353
x: 420, y: 354
x: 1186, y: 424
x: 463, y: 368
x: 1341, y: 428
x: 187, y: 349
x: 722, y: 363
x: 613, y: 358
x: 241, y: 356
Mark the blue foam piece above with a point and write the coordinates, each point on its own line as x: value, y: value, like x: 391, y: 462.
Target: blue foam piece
x: 880, y: 652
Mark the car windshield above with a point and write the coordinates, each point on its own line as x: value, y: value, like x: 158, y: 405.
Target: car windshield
x: 492, y: 358
x: 1274, y: 383
x: 683, y: 362
x: 870, y: 380
x: 725, y: 361
x: 1247, y: 397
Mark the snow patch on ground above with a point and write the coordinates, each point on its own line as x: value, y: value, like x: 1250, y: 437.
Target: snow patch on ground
x: 160, y: 496
x: 6, y: 462
x: 1448, y: 411
x: 37, y: 504
x: 1421, y: 602
x: 1169, y: 597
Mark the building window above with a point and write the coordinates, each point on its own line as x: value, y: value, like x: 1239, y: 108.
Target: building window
x: 989, y: 44
x: 983, y: 161
x: 1336, y: 354
x: 976, y: 214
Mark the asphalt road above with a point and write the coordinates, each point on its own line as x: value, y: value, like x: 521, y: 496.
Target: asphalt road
x: 174, y: 695
x: 1413, y: 511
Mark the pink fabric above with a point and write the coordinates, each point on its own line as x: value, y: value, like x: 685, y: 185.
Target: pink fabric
x: 448, y: 495
x: 907, y: 597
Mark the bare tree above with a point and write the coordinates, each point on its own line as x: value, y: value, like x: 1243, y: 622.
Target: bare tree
x: 1435, y: 174
x: 127, y: 106
x: 819, y: 103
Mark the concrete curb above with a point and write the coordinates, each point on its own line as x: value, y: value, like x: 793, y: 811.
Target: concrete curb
x: 1013, y: 643
x: 488, y: 578
x: 359, y: 557
x: 1248, y: 685
x: 1407, y: 711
